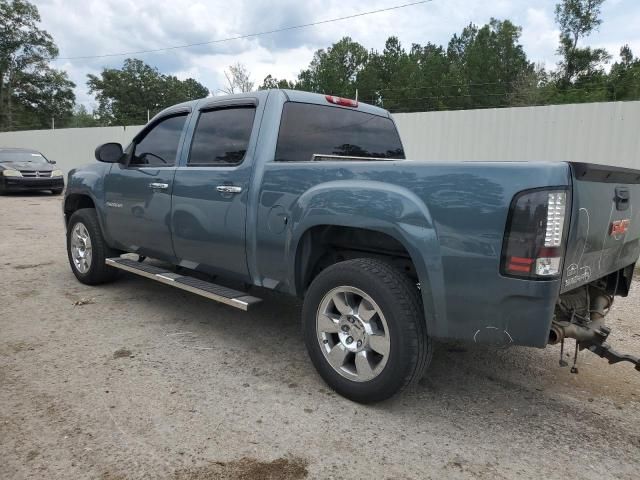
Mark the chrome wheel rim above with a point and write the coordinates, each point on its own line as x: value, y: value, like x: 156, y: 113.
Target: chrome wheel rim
x: 81, y: 251
x: 353, y: 334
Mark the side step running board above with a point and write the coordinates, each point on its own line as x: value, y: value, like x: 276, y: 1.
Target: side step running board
x: 209, y: 290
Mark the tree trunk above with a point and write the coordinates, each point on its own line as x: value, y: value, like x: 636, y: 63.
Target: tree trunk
x: 2, y: 107
x: 9, y: 95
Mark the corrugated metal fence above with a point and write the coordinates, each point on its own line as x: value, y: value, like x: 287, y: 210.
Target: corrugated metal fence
x: 69, y: 147
x: 607, y: 133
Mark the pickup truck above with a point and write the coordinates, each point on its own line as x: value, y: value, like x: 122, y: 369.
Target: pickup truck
x: 311, y: 195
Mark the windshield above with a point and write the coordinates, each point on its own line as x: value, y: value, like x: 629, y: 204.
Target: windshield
x: 8, y: 156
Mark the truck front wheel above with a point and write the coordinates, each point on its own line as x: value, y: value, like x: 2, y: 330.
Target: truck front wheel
x: 364, y: 329
x: 87, y: 249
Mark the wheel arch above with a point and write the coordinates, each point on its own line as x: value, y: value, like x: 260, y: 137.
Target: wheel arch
x: 401, y: 219
x: 76, y: 201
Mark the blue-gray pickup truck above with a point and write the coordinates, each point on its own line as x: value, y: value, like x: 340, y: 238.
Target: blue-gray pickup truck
x: 311, y: 195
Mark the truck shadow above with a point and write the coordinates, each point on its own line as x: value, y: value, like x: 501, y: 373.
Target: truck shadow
x: 457, y: 368
x: 472, y: 389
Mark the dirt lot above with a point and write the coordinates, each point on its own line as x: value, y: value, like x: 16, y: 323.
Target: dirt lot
x: 138, y: 380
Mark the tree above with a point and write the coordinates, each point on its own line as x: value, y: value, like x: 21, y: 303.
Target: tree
x: 624, y: 78
x: 577, y: 19
x: 31, y: 92
x: 335, y: 70
x: 482, y: 66
x: 531, y: 88
x: 126, y: 96
x: 270, y: 82
x: 488, y: 64
x: 83, y: 118
x: 44, y: 97
x: 238, y: 80
x: 387, y: 78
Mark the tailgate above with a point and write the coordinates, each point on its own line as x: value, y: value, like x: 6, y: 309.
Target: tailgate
x: 604, y: 231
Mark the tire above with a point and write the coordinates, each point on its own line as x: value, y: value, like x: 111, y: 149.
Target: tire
x: 398, y: 315
x: 57, y: 192
x: 97, y: 271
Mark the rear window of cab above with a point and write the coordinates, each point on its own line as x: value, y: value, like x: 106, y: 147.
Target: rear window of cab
x: 308, y: 129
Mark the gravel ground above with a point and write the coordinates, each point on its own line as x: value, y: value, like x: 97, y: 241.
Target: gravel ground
x: 138, y: 380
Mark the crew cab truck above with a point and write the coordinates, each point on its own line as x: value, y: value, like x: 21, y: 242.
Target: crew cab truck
x: 311, y: 195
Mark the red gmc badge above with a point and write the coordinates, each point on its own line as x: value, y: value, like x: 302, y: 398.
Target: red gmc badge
x: 619, y: 227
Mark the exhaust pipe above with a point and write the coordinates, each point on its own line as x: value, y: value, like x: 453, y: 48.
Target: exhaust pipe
x: 582, y: 333
x: 556, y: 334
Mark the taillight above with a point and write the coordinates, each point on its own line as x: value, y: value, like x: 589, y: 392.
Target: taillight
x: 343, y: 102
x: 535, y: 235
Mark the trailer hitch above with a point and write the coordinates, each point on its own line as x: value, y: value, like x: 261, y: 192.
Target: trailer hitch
x: 600, y: 347
x: 590, y: 333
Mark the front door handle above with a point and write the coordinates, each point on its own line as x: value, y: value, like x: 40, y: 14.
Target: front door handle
x: 158, y: 186
x: 229, y: 189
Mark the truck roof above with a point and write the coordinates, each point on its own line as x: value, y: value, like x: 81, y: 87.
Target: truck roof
x: 292, y: 95
x: 320, y: 98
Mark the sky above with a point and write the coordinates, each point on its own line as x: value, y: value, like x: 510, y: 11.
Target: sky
x: 98, y: 27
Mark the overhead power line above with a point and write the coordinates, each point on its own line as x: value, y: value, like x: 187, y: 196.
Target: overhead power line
x: 600, y: 79
x: 248, y: 35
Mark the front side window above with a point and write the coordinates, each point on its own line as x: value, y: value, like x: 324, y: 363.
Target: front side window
x: 307, y: 129
x: 159, y: 146
x: 222, y: 136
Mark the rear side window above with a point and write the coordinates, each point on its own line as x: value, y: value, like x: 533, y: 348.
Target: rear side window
x: 222, y: 137
x: 159, y: 146
x: 307, y: 129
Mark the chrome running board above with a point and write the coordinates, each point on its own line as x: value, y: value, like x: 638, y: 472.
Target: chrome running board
x: 212, y: 291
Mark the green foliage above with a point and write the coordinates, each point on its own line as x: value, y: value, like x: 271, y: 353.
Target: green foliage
x: 580, y: 76
x: 83, y: 118
x: 335, y: 69
x: 624, y: 78
x: 489, y: 64
x: 125, y: 96
x: 577, y: 19
x: 481, y: 67
x: 31, y: 92
x: 272, y: 82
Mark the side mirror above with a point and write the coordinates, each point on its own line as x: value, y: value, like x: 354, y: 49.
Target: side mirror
x: 109, y: 152
x: 52, y: 162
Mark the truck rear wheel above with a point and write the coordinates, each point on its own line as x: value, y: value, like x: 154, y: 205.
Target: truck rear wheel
x: 87, y: 249
x: 364, y: 329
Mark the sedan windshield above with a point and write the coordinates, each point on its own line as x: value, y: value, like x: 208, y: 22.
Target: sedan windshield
x: 9, y: 156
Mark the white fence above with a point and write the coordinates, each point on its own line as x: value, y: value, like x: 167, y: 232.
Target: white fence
x: 69, y: 147
x: 606, y: 133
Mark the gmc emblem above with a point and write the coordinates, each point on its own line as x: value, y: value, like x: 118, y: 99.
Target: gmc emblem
x: 619, y: 227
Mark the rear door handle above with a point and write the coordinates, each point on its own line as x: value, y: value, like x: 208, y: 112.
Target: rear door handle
x: 228, y: 189
x: 158, y: 186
